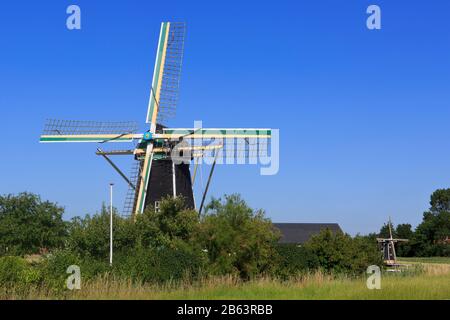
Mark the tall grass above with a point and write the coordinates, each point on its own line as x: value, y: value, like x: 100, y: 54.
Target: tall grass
x: 433, y: 282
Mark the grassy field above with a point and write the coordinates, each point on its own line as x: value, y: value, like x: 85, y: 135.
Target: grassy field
x: 442, y: 260
x: 432, y: 282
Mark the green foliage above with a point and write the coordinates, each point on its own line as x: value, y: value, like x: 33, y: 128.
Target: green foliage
x: 238, y: 240
x: 292, y: 260
x: 435, y: 227
x: 159, y: 265
x: 29, y: 225
x: 440, y: 201
x: 365, y: 253
x: 404, y: 231
x: 172, y: 224
x: 430, y: 236
x: 384, y: 231
x: 168, y: 227
x: 54, y: 268
x: 15, y: 271
x: 89, y: 236
x: 338, y: 252
x: 157, y: 246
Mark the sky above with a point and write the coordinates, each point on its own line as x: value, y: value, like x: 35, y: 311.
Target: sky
x: 363, y: 114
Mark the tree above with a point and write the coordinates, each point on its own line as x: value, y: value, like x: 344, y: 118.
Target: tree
x: 29, y: 225
x: 404, y: 231
x: 238, y: 239
x: 431, y: 234
x: 440, y: 201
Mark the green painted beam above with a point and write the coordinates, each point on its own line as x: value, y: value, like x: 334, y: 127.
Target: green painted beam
x: 114, y: 138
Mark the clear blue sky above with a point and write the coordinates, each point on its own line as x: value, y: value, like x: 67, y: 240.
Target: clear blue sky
x: 363, y: 115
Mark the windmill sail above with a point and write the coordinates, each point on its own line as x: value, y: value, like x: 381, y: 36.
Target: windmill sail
x: 163, y: 94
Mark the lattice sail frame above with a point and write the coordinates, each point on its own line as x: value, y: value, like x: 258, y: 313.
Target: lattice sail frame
x: 170, y: 85
x: 129, y: 206
x: 164, y: 90
x: 89, y: 131
x: 77, y: 127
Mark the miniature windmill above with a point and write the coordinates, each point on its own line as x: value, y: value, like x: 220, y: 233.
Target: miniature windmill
x: 387, y: 246
x: 158, y: 171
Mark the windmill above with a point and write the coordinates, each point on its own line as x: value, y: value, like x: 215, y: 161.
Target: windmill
x: 162, y: 155
x: 387, y: 246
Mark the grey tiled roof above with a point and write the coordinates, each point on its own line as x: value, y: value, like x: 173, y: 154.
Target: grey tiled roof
x: 301, y: 232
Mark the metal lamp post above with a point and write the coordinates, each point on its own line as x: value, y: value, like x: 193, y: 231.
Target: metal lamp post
x: 111, y: 225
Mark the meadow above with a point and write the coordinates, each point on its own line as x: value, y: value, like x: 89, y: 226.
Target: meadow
x: 422, y: 281
x: 439, y: 260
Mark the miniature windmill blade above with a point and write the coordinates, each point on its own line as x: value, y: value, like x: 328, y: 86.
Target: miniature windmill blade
x: 89, y: 131
x: 167, y: 72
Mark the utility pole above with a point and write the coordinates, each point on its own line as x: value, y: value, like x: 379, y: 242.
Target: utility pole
x: 111, y: 225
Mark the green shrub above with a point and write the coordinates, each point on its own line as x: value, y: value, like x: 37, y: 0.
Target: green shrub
x: 172, y: 223
x: 89, y: 236
x: 91, y: 267
x: 238, y: 239
x: 292, y: 260
x: 17, y: 272
x: 54, y: 268
x: 159, y: 265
